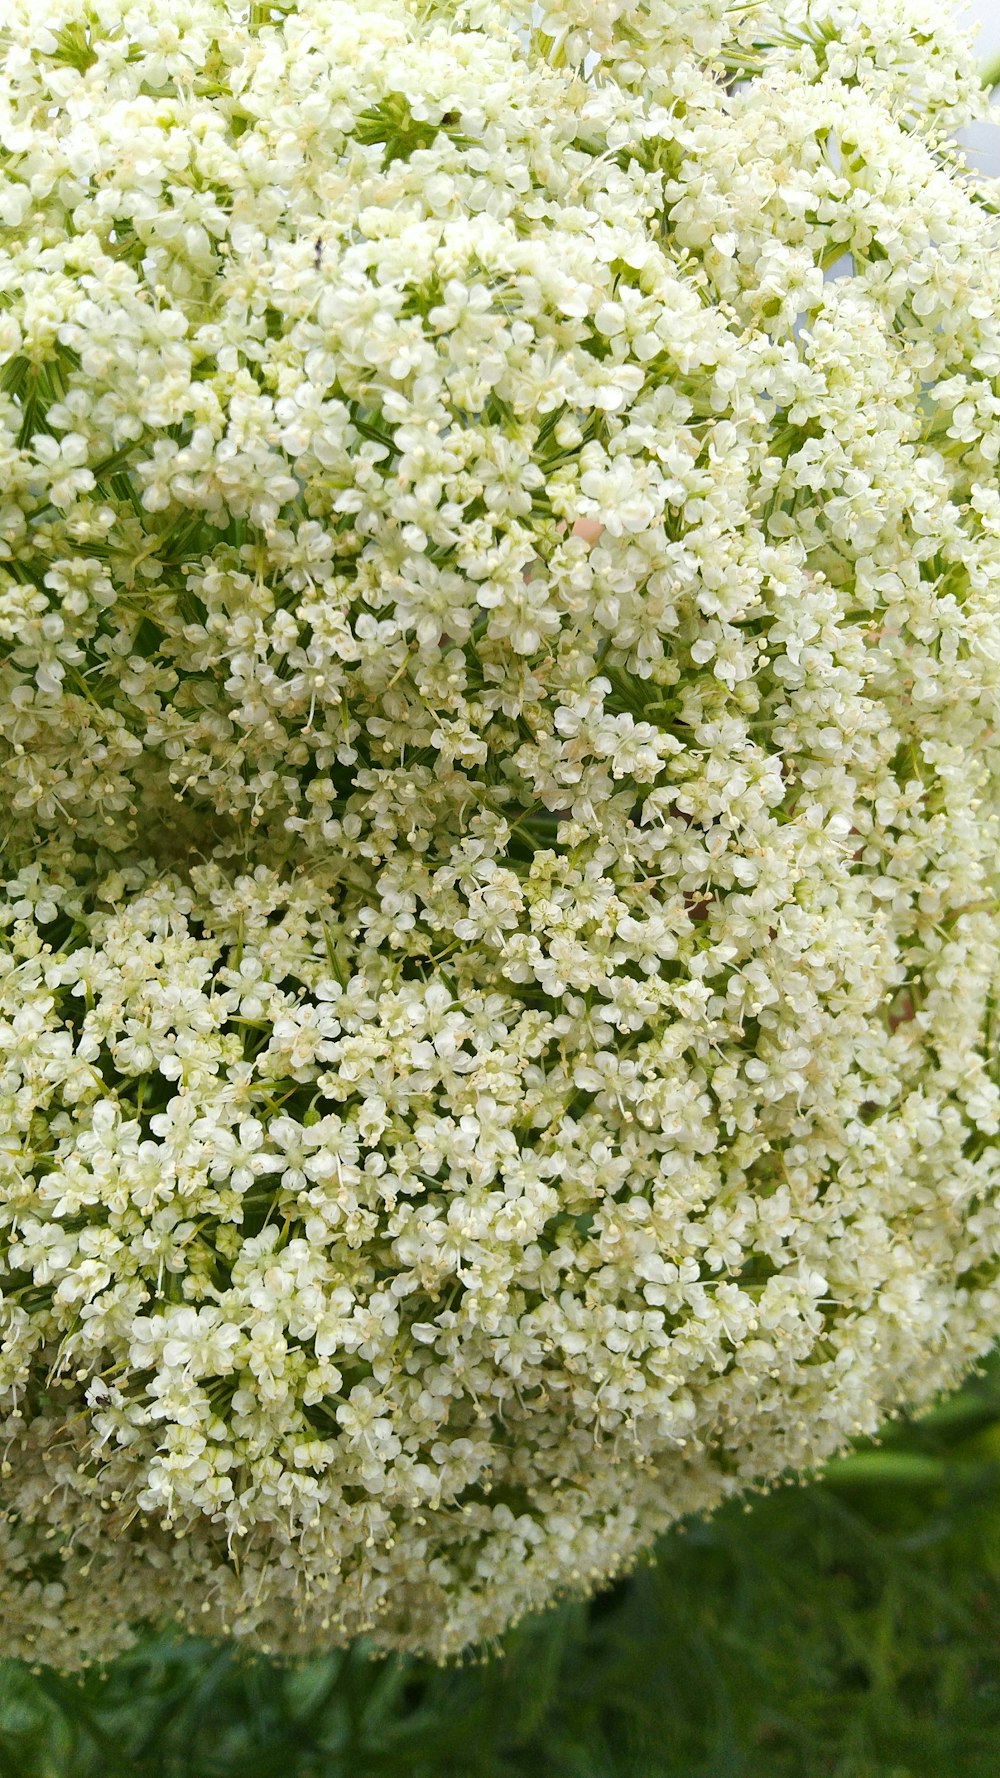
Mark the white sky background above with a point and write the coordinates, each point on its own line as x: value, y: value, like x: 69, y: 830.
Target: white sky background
x: 988, y: 14
x: 984, y: 139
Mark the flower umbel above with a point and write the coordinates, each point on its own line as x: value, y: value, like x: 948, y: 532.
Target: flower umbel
x: 499, y: 698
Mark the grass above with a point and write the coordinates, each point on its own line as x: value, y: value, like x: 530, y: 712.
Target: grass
x: 850, y: 1629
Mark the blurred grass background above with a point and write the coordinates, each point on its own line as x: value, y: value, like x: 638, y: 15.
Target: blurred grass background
x: 848, y: 1629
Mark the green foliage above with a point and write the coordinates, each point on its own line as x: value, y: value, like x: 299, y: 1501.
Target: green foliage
x: 850, y: 1629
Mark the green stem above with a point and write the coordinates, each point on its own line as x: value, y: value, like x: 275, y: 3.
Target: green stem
x: 991, y: 74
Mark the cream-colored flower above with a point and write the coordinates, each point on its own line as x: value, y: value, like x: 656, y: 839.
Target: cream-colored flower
x: 499, y: 713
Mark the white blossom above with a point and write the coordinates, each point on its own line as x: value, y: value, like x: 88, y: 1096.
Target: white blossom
x: 499, y: 713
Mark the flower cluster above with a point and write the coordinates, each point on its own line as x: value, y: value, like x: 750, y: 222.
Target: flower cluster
x: 499, y: 701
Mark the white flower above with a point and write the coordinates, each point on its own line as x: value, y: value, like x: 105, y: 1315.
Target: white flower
x: 500, y: 737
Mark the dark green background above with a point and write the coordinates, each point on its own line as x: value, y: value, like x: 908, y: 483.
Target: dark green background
x: 849, y: 1629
